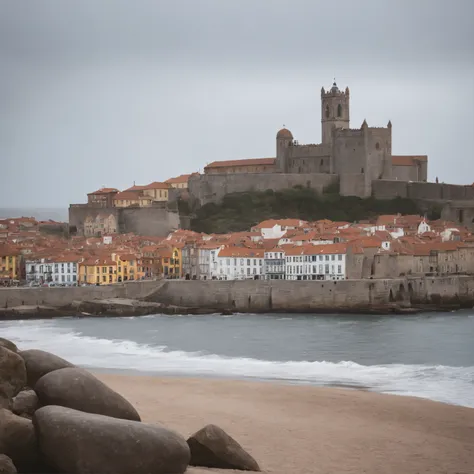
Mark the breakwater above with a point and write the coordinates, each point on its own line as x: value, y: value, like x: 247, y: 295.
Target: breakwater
x: 387, y: 295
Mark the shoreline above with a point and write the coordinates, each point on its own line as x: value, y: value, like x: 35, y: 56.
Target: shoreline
x: 113, y: 308
x: 301, y: 429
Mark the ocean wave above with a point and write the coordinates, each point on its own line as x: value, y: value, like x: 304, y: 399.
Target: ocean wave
x: 437, y: 382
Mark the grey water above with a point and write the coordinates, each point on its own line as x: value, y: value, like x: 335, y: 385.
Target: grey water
x: 426, y: 355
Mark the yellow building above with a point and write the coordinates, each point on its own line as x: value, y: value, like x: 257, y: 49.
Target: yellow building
x: 127, y: 266
x: 180, y: 182
x: 171, y: 261
x: 157, y: 191
x: 95, y: 271
x: 127, y: 199
x: 9, y: 263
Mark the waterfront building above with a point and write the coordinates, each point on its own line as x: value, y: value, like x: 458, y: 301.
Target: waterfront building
x: 316, y: 262
x: 275, y: 264
x: 240, y: 263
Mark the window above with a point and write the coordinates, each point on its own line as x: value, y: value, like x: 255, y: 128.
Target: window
x: 326, y: 268
x: 339, y: 269
x: 56, y: 268
x: 228, y: 262
x: 339, y: 257
x: 326, y: 257
x: 327, y: 111
x: 248, y: 261
x: 377, y: 146
x: 254, y: 261
x: 260, y: 262
x: 339, y: 110
x: 63, y: 278
x: 74, y: 278
x: 241, y: 261
x: 333, y: 257
x: 104, y: 269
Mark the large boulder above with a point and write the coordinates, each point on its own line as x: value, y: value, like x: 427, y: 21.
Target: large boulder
x: 12, y: 374
x: 39, y: 363
x: 9, y: 345
x: 80, y: 390
x: 25, y: 403
x: 18, y: 442
x: 6, y: 465
x: 82, y: 443
x: 213, y: 447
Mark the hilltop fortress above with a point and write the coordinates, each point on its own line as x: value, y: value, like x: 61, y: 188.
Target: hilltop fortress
x: 358, y: 160
x: 356, y: 157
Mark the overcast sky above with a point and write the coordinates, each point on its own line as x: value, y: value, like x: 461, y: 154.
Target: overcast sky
x: 107, y: 92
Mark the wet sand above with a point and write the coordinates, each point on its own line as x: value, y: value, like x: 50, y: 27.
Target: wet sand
x: 292, y: 429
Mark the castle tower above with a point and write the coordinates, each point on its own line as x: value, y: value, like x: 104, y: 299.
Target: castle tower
x: 284, y: 139
x: 334, y: 111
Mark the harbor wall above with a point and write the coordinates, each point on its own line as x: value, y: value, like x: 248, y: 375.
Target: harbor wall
x: 261, y: 295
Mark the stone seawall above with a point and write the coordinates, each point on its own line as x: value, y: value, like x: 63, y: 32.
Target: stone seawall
x: 314, y: 296
x: 264, y: 296
x: 62, y: 297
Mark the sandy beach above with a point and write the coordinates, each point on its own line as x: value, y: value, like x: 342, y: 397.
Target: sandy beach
x: 301, y: 430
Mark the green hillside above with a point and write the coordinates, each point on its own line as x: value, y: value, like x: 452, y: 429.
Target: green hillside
x: 240, y: 211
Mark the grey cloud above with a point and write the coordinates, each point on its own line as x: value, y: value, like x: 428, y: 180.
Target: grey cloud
x: 99, y: 92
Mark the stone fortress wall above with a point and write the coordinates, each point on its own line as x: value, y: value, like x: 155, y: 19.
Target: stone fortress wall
x: 204, y: 189
x: 157, y: 220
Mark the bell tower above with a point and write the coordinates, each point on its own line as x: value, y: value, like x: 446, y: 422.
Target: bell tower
x: 334, y: 111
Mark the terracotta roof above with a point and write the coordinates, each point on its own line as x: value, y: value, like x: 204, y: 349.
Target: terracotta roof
x: 156, y: 185
x: 135, y: 187
x: 407, y: 160
x: 243, y: 252
x: 180, y: 179
x: 269, y: 223
x: 127, y: 195
x: 317, y: 249
x: 247, y: 162
x: 104, y: 191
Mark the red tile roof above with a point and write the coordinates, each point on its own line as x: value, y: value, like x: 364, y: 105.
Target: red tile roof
x: 127, y: 195
x: 104, y: 191
x: 247, y: 162
x: 156, y: 185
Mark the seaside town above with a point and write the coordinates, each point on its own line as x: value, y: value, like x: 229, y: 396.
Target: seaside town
x: 41, y: 253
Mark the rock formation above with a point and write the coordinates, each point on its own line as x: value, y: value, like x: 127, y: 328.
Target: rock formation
x: 63, y: 420
x: 75, y: 442
x: 213, y: 447
x: 80, y: 390
x: 39, y: 363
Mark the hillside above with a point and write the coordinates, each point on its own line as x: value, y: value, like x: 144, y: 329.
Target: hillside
x: 240, y: 211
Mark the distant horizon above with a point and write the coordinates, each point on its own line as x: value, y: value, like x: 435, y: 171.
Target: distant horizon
x: 39, y: 213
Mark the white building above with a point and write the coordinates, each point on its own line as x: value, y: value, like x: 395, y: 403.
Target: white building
x: 275, y: 229
x: 316, y: 262
x: 274, y: 264
x: 56, y: 270
x: 239, y: 263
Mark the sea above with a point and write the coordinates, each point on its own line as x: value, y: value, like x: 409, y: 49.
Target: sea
x: 425, y: 355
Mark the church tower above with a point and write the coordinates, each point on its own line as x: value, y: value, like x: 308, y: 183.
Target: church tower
x: 334, y: 111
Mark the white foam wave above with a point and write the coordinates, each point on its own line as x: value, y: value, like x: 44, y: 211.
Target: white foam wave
x: 442, y: 383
